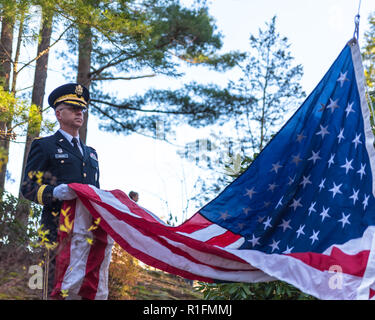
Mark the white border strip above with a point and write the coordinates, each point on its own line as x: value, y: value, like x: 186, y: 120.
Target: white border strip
x: 360, y: 79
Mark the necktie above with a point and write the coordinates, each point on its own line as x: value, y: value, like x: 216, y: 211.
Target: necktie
x: 75, y: 145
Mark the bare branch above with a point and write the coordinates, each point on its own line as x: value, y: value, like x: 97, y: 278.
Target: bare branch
x: 138, y: 109
x: 123, y: 78
x: 46, y: 50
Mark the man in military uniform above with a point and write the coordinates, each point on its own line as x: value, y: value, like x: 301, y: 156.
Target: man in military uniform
x: 55, y: 161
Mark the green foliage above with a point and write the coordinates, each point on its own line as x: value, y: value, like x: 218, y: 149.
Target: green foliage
x: 19, y: 115
x: 368, y: 54
x: 13, y: 231
x: 368, y: 57
x: 275, y: 290
x: 141, y: 39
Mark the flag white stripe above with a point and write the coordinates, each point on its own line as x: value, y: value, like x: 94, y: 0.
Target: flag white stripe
x: 208, y: 258
x: 102, y: 291
x: 236, y: 244
x: 79, y: 251
x: 301, y: 275
x: 153, y: 248
x: 205, y: 234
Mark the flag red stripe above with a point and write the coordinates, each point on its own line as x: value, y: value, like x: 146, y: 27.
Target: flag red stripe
x: 351, y: 264
x: 63, y: 250
x: 90, y: 283
x: 161, y: 230
x: 152, y: 261
x: 141, y: 228
x: 195, y: 223
x: 224, y: 239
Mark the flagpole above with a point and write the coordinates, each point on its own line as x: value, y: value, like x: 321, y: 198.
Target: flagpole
x: 356, y: 22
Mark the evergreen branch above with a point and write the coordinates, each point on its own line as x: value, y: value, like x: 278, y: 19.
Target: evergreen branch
x: 126, y: 128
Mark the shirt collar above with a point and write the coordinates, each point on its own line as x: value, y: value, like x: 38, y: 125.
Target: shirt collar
x: 68, y: 136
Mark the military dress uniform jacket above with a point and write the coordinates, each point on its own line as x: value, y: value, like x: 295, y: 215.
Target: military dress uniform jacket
x: 52, y: 161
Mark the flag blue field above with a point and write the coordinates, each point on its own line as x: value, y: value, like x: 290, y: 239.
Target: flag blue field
x: 303, y: 212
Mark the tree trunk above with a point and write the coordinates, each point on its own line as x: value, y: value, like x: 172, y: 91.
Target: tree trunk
x: 84, y: 64
x: 6, y: 42
x: 40, y: 77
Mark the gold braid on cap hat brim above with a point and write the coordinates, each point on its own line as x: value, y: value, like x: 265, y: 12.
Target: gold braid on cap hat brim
x: 72, y: 99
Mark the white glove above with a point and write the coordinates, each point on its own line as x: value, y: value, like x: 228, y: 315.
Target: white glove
x: 63, y: 192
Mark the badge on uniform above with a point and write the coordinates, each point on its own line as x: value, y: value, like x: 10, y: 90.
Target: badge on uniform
x: 59, y: 150
x: 61, y: 156
x: 93, y: 156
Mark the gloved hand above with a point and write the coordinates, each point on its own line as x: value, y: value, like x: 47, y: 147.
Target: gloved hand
x: 63, y: 192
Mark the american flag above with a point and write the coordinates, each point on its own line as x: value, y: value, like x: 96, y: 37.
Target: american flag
x: 303, y: 212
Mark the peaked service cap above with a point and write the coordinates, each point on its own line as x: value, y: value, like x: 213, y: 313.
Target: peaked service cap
x: 71, y: 93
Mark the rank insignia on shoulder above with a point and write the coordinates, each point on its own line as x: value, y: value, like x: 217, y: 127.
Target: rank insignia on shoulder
x: 92, y: 155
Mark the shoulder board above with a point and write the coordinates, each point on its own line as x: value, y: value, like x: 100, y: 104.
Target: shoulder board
x: 37, y: 138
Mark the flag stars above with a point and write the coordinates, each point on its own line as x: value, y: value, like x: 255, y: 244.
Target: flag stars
x: 344, y: 220
x: 288, y: 250
x: 324, y: 214
x: 276, y: 167
x: 306, y: 180
x: 321, y: 186
x: 330, y: 161
x: 335, y: 189
x: 341, y: 135
x: 314, y: 236
x: 254, y: 241
x: 300, y: 137
x: 323, y: 130
x: 291, y: 180
x: 312, y: 207
x: 266, y: 204
x: 267, y: 223
x: 296, y: 204
x: 354, y: 196
x: 241, y: 225
x: 333, y: 105
x: 250, y: 192
x: 300, y: 230
x: 356, y: 140
x: 246, y: 210
x: 365, y: 201
x: 271, y: 187
x: 362, y: 170
x: 224, y: 215
x: 280, y: 203
x: 349, y: 108
x: 342, y: 78
x: 285, y: 225
x: 274, y: 245
x: 296, y: 159
x: 315, y: 156
x: 347, y: 165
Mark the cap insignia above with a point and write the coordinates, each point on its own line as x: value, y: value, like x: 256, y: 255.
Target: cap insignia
x: 79, y: 90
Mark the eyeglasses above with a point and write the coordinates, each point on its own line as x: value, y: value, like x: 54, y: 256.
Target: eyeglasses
x: 74, y: 109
